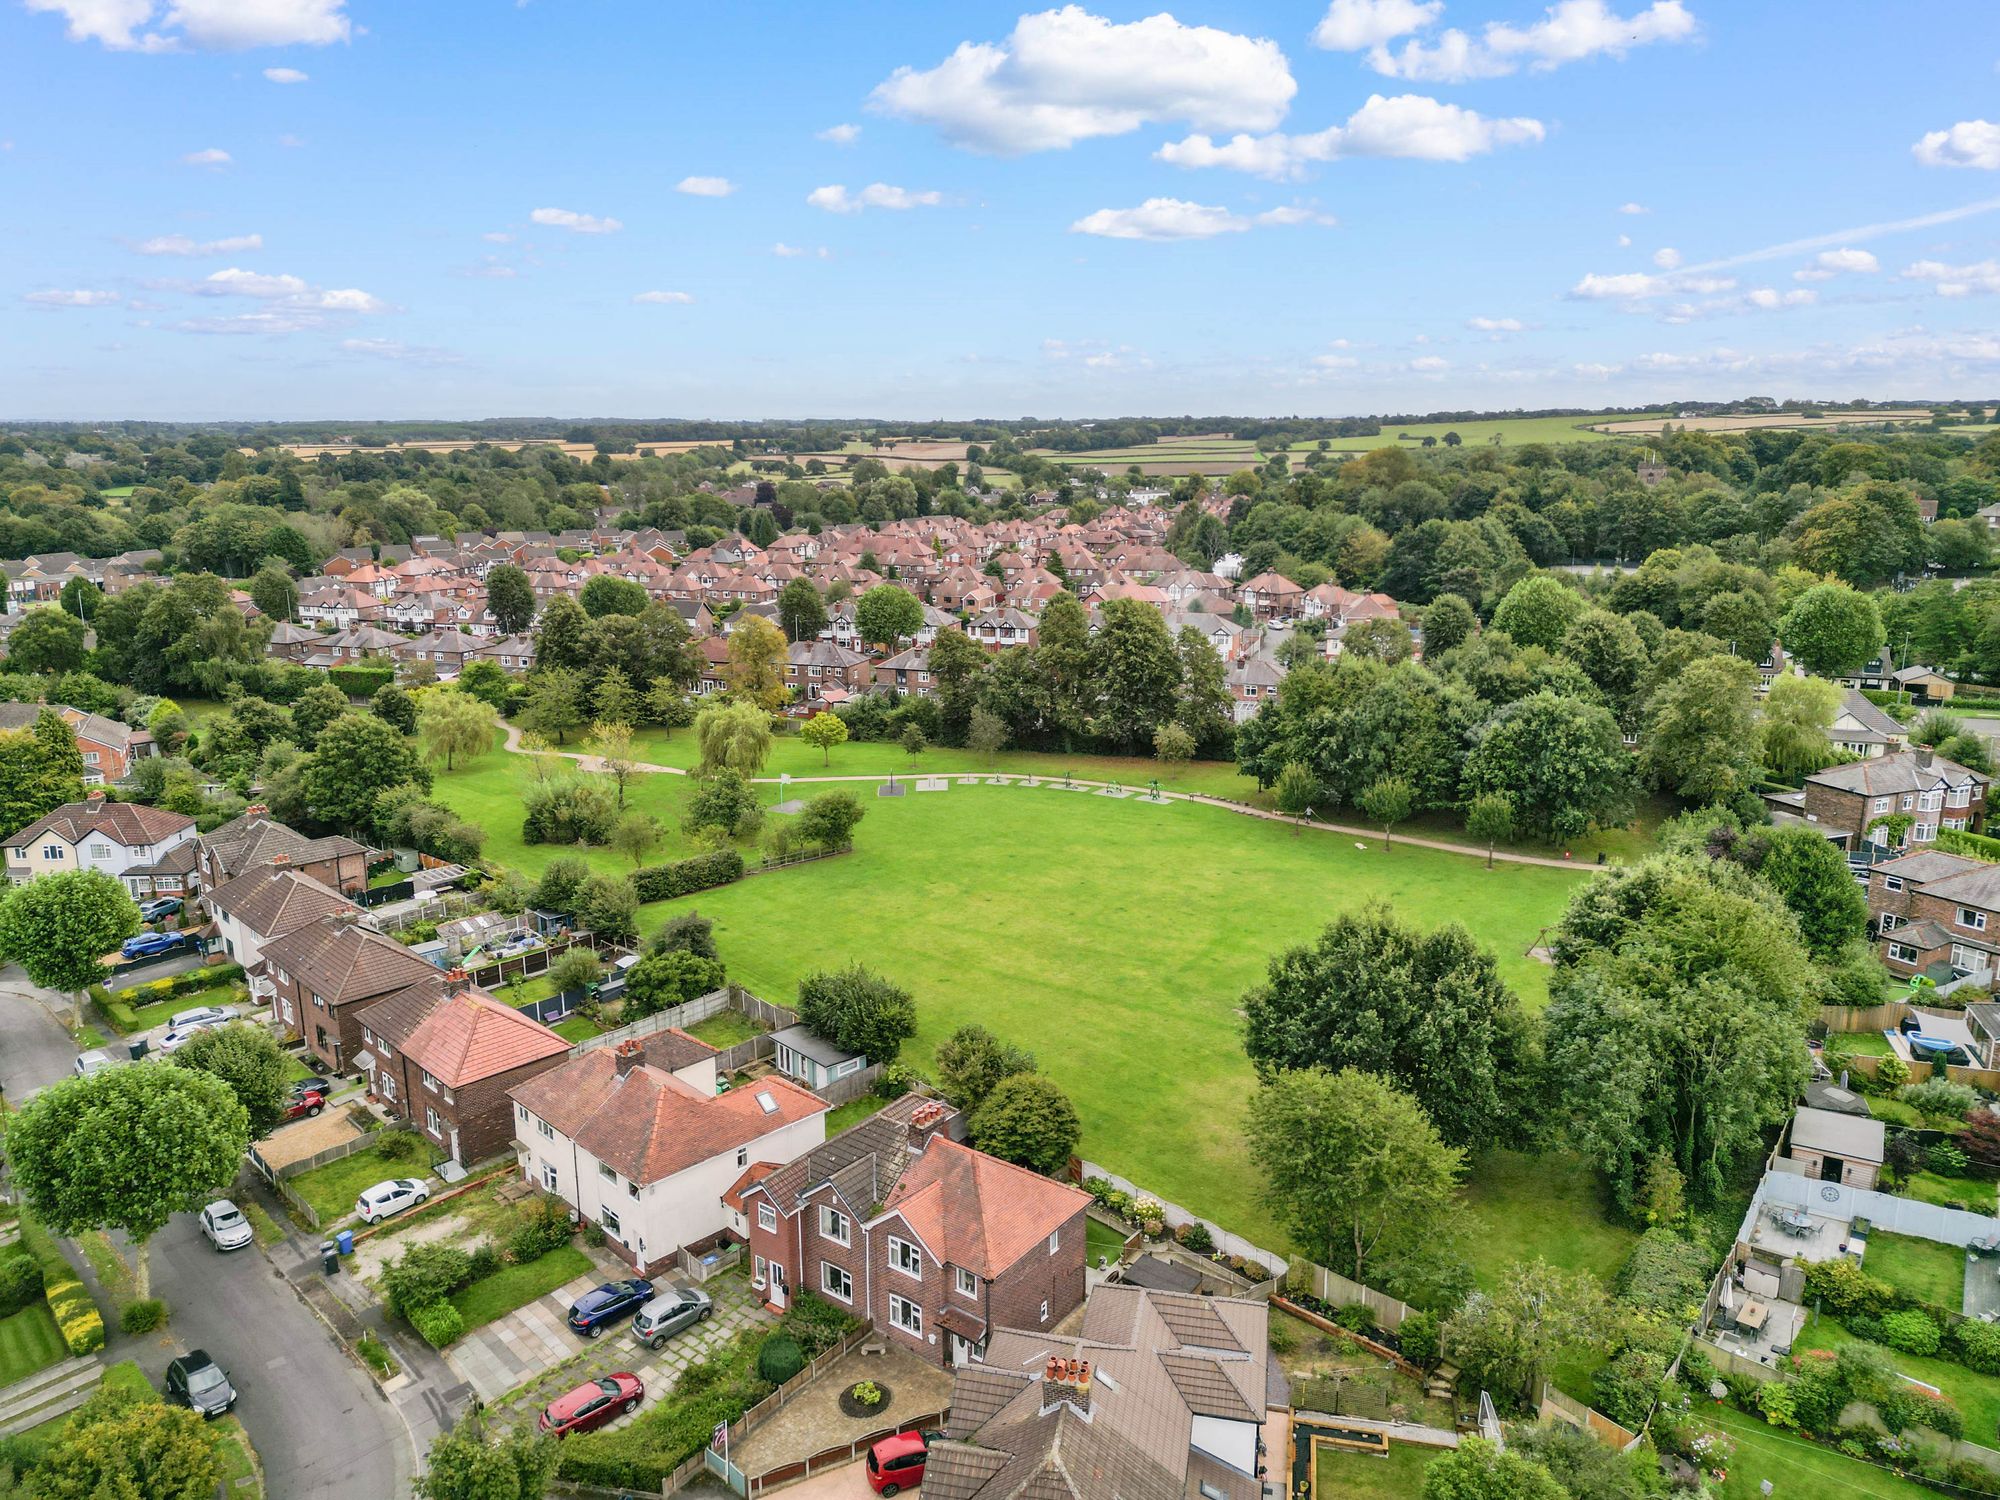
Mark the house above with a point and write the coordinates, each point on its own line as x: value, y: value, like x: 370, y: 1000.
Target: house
x: 906, y: 672
x: 1934, y: 793
x: 108, y: 747
x: 1934, y: 909
x: 95, y: 834
x: 810, y: 1058
x: 819, y: 672
x: 266, y: 903
x: 445, y: 1056
x: 323, y: 973
x: 1252, y: 683
x: 1833, y: 1146
x: 1271, y: 596
x: 1003, y: 627
x: 254, y: 838
x: 635, y: 1138
x: 1157, y: 1396
x: 1863, y: 730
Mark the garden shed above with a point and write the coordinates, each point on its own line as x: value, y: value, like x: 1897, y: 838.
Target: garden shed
x: 1837, y: 1147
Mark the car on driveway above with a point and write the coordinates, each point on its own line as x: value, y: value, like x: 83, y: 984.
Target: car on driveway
x: 200, y: 1384
x: 600, y: 1307
x: 96, y: 1061
x: 179, y: 1032
x: 304, y: 1104
x: 897, y: 1463
x: 669, y: 1312
x: 388, y: 1198
x: 201, y: 1015
x: 146, y: 944
x: 160, y: 906
x: 314, y: 1085
x: 223, y: 1225
x: 592, y: 1404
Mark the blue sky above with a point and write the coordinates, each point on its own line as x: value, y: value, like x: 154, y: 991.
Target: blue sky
x: 306, y: 208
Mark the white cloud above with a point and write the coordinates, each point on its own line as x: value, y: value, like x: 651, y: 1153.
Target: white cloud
x: 1624, y: 242
x: 1956, y: 281
x: 236, y: 282
x: 286, y: 75
x: 209, y: 25
x: 497, y: 237
x: 576, y: 223
x: 1495, y: 325
x: 73, y: 299
x: 1335, y: 361
x: 1666, y: 258
x: 800, y: 252
x: 1430, y: 364
x: 1633, y: 208
x: 839, y: 135
x: 705, y: 187
x: 214, y: 156
x: 1570, y: 31
x: 291, y: 142
x: 1178, y: 219
x: 1356, y: 25
x: 676, y: 299
x: 1831, y: 263
x: 1408, y: 126
x: 180, y: 244
x: 293, y: 294
x: 395, y: 349
x: 1969, y: 143
x: 835, y: 198
x: 1769, y: 298
x: 1062, y: 76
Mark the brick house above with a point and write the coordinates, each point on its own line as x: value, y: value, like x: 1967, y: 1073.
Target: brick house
x: 1935, y: 793
x: 322, y: 974
x: 95, y: 834
x: 820, y: 671
x: 108, y: 748
x: 444, y: 1055
x: 267, y: 903
x: 906, y: 672
x: 1932, y: 909
x: 254, y: 838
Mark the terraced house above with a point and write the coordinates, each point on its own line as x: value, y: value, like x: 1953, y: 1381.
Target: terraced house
x: 323, y: 973
x: 1936, y: 912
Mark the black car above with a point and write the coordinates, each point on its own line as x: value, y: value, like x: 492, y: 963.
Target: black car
x: 200, y: 1384
x: 600, y: 1307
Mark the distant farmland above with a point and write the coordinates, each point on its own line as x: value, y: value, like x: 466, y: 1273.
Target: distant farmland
x: 1650, y: 426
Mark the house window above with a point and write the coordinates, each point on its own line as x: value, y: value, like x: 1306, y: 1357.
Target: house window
x: 835, y: 1282
x: 742, y: 1156
x: 1961, y: 796
x: 1892, y: 882
x: 1211, y: 1491
x: 610, y: 1222
x: 1923, y: 833
x: 905, y: 1257
x: 52, y: 851
x: 968, y: 1284
x: 606, y: 1173
x: 100, y: 851
x: 1970, y: 960
x: 1055, y: 1242
x: 546, y: 1129
x: 1931, y: 801
x: 906, y: 1315
x: 1880, y: 805
x: 433, y: 1123
x: 833, y: 1226
x: 549, y: 1176
x: 1909, y: 800
x: 1890, y: 921
x: 521, y: 1113
x: 1902, y: 953
x: 767, y: 1217
x: 1976, y: 920
x: 1045, y: 1309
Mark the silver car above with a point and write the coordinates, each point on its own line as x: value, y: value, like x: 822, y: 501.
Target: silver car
x: 668, y: 1313
x: 223, y: 1225
x: 96, y: 1062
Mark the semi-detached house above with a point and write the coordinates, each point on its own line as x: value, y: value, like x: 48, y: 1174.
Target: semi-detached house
x: 95, y: 834
x: 1931, y: 791
x: 323, y: 973
x: 1931, y: 909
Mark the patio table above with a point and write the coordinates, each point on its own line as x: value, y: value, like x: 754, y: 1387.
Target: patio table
x: 1753, y: 1317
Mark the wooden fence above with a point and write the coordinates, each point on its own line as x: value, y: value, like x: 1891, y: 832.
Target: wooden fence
x: 1978, y: 1078
x: 1864, y: 1017
x: 1231, y: 1244
x: 1331, y: 1287
x: 840, y: 1091
x: 277, y: 1176
x: 1561, y: 1408
x: 731, y: 997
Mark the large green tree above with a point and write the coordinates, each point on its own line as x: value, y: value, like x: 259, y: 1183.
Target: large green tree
x: 454, y: 726
x: 471, y: 1462
x: 1792, y: 731
x: 1137, y: 672
x: 60, y: 927
x: 247, y: 1059
x: 972, y: 1061
x: 40, y: 769
x: 1510, y: 1337
x: 511, y: 597
x: 124, y: 1445
x: 1562, y: 762
x: 858, y: 1012
x: 734, y: 737
x: 47, y: 640
x: 1832, y: 629
x: 1538, y: 611
x: 567, y: 637
x: 358, y: 757
x: 887, y: 614
x: 1028, y: 1120
x: 801, y: 610
x: 1700, y: 735
x: 608, y: 594
x: 1477, y: 1470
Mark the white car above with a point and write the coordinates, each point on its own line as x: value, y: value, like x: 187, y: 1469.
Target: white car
x: 181, y: 1031
x: 96, y: 1062
x: 202, y: 1015
x: 223, y: 1225
x: 387, y: 1198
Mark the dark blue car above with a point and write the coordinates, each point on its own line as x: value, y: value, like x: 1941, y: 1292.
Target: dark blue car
x: 600, y: 1307
x: 148, y: 943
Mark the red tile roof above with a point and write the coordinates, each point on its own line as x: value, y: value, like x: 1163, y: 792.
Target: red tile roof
x: 976, y: 1211
x: 462, y: 1038
x: 128, y: 823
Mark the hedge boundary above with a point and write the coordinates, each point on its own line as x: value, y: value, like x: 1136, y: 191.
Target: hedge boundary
x: 684, y: 877
x: 76, y: 1313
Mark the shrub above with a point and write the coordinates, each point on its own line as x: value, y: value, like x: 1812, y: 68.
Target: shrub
x: 816, y: 1324
x: 897, y: 1080
x: 593, y: 1234
x: 438, y: 1322
x: 1418, y: 1336
x: 685, y: 877
x: 568, y: 810
x: 401, y: 1145
x: 484, y: 1260
x: 1946, y: 1159
x: 1940, y: 1098
x: 361, y: 682
x: 868, y: 1394
x: 1194, y: 1235
x: 1355, y: 1317
x: 76, y: 1315
x: 422, y: 1275
x: 1892, y: 1071
x: 1665, y: 1274
x: 20, y: 1284
x: 780, y: 1359
x: 1846, y: 1288
x: 1977, y: 1346
x: 142, y: 1316
x: 543, y: 1226
x: 1911, y: 1331
x: 1778, y: 1401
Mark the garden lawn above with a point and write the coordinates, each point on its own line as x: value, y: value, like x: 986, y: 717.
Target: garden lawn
x: 132, y: 1020
x: 1554, y: 1206
x: 332, y: 1189
x: 853, y: 1112
x: 1923, y: 1268
x: 1948, y: 1192
x: 724, y: 1029
x: 1863, y: 1043
x: 578, y: 1028
x: 29, y: 1341
x: 1396, y: 1475
x: 1976, y: 1396
x: 1797, y: 1467
x: 513, y: 1287
x: 1101, y: 1239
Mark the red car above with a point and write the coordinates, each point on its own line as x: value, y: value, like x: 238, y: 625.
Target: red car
x: 303, y: 1104
x: 897, y: 1463
x: 592, y: 1404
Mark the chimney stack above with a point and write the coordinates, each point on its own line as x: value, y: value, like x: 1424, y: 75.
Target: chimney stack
x: 94, y: 795
x: 1925, y: 755
x: 256, y: 810
x: 1066, y: 1380
x: 281, y: 859
x: 346, y: 918
x: 628, y: 1054
x: 456, y: 981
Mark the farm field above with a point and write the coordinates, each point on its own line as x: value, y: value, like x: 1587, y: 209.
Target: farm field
x: 1752, y: 422
x: 1515, y: 430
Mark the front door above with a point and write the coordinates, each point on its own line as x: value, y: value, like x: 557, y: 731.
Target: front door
x: 777, y: 1286
x: 961, y: 1349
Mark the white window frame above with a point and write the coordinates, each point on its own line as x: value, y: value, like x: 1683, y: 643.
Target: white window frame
x: 965, y: 1281
x: 1972, y: 960
x: 906, y: 1315
x: 835, y: 1225
x: 1903, y: 953
x: 1977, y: 918
x: 767, y: 1217
x: 906, y: 1258
x: 1055, y: 1242
x: 1890, y: 921
x: 1892, y: 882
x: 549, y: 1176
x: 612, y: 1225
x: 832, y: 1277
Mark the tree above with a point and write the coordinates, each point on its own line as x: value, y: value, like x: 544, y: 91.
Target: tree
x: 823, y: 731
x: 757, y: 658
x: 455, y: 726
x: 1510, y: 1337
x: 801, y: 611
x: 1700, y: 736
x: 1818, y: 888
x: 636, y: 835
x: 511, y: 598
x: 614, y: 752
x: 1792, y: 736
x: 48, y: 640
x: 725, y: 801
x: 663, y: 980
x: 357, y: 758
x: 1489, y: 818
x: 608, y: 594
x: 986, y: 734
x: 914, y: 741
x: 1172, y: 745
x: 858, y: 1012
x: 1027, y: 1120
x: 1448, y: 622
x: 959, y: 668
x: 1538, y: 611
x: 127, y: 1148
x: 40, y: 769
x: 736, y: 738
x: 827, y: 822
x: 274, y: 593
x: 1353, y: 1168
x: 60, y: 927
x: 567, y: 637
x: 1388, y: 802
x: 578, y: 969
x: 690, y: 932
x: 1476, y: 1470
x: 1562, y: 762
x: 1832, y: 629
x: 555, y: 704
x: 886, y: 614
x: 1137, y: 672
x: 1609, y: 650
x: 394, y: 706
x: 122, y: 1445
x: 247, y: 1059
x: 488, y: 682
x: 314, y: 709
x: 1204, y: 707
x: 972, y: 1060
x: 609, y: 907
x: 615, y: 700
x: 470, y: 1463
x: 1297, y: 790
x: 1379, y: 639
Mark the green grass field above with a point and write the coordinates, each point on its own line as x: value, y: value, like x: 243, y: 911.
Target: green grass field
x: 332, y: 1189
x: 1923, y: 1268
x: 1511, y: 430
x: 725, y: 1029
x: 516, y: 1286
x: 29, y: 1341
x: 1976, y: 1396
x: 1395, y: 1475
x: 1796, y: 1467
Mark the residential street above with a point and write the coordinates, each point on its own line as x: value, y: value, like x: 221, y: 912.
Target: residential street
x: 321, y: 1426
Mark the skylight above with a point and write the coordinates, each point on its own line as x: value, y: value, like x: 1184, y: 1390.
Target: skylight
x: 766, y: 1103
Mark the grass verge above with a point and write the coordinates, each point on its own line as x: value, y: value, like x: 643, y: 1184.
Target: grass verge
x: 513, y: 1287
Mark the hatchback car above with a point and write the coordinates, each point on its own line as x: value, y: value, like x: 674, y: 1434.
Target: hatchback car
x: 223, y: 1225
x: 600, y: 1307
x: 304, y: 1104
x: 200, y: 1384
x: 314, y: 1085
x: 668, y: 1313
x: 592, y: 1404
x: 897, y: 1463
x: 388, y: 1198
x: 160, y: 906
x: 179, y: 1032
x: 146, y: 944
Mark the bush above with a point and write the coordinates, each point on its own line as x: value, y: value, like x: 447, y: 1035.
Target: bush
x: 1911, y: 1331
x: 665, y: 1434
x: 1847, y: 1289
x: 568, y: 810
x: 438, y: 1322
x: 20, y: 1284
x: 780, y: 1359
x: 1892, y: 1071
x: 75, y: 1313
x: 1976, y: 1345
x: 544, y: 1226
x: 361, y: 682
x: 1355, y: 1317
x: 484, y: 1260
x: 401, y: 1146
x: 1665, y: 1274
x: 1418, y: 1336
x: 1194, y: 1235
x: 816, y: 1324
x: 1940, y: 1098
x: 897, y: 1080
x: 1947, y: 1160
x: 685, y: 877
x: 422, y: 1275
x: 142, y: 1316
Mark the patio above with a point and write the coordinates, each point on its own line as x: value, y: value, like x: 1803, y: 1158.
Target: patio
x: 1798, y: 1235
x: 814, y: 1421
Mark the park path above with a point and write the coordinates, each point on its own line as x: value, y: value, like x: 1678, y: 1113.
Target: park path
x: 1242, y: 809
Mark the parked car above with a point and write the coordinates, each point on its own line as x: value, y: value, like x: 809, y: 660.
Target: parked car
x: 96, y: 1061
x: 388, y: 1198
x: 160, y: 906
x: 304, y: 1105
x: 146, y: 944
x: 179, y: 1033
x: 592, y: 1404
x: 602, y: 1306
x: 201, y: 1015
x: 897, y: 1463
x: 314, y: 1085
x: 668, y: 1313
x: 223, y: 1225
x: 200, y: 1384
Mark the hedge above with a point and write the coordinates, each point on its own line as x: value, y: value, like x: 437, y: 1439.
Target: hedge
x: 360, y: 682
x: 1971, y: 845
x: 20, y: 1283
x: 76, y: 1315
x: 122, y: 1006
x: 439, y: 1322
x: 685, y: 877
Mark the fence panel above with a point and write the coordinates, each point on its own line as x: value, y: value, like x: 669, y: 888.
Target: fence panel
x: 1566, y: 1408
x: 1234, y: 1244
x: 839, y: 1091
x: 711, y: 1004
x: 1864, y: 1017
x: 1334, y: 1288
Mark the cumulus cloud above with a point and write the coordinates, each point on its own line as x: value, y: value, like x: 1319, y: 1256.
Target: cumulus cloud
x: 1666, y: 258
x: 705, y: 187
x: 213, y: 156
x: 800, y: 252
x: 1430, y: 364
x: 285, y: 75
x: 73, y: 299
x: 1956, y: 281
x: 576, y: 223
x: 1768, y: 299
x: 1831, y: 263
x: 836, y: 199
x: 1570, y: 31
x: 180, y: 244
x: 1062, y: 76
x: 1408, y: 126
x: 1633, y: 208
x: 1969, y: 143
x: 1178, y: 219
x: 839, y: 135
x: 291, y: 303
x: 665, y: 299
x: 1495, y: 325
x: 206, y: 25
x: 1356, y: 25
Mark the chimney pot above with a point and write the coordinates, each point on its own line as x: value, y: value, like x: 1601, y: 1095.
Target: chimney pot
x: 627, y: 1054
x: 281, y: 859
x: 255, y: 810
